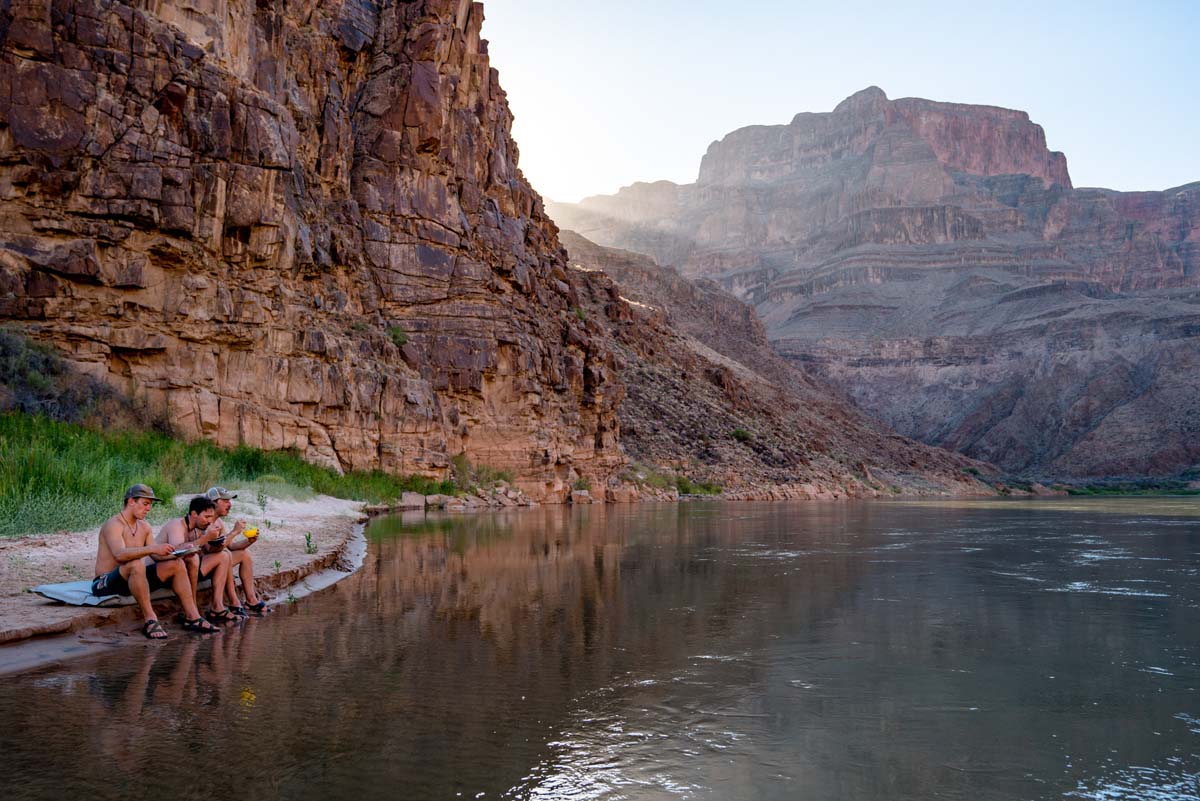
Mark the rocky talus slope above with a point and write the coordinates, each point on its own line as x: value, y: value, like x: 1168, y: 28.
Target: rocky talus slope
x: 934, y: 262
x: 708, y: 398
x: 296, y: 225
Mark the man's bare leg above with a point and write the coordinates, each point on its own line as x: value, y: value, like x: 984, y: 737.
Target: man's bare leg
x: 245, y: 565
x: 134, y: 574
x: 231, y: 596
x: 178, y: 576
x: 218, y: 565
x: 193, y: 571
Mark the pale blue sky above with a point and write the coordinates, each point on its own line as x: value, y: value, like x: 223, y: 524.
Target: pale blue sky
x: 612, y: 92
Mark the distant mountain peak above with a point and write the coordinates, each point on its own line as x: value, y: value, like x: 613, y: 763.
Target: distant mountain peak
x: 865, y: 99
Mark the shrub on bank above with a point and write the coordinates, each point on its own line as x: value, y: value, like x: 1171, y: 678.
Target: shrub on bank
x: 35, y: 379
x: 688, y: 487
x: 56, y: 475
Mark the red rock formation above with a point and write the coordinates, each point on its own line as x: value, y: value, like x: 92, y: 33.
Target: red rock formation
x: 935, y: 263
x: 296, y: 225
x: 709, y: 398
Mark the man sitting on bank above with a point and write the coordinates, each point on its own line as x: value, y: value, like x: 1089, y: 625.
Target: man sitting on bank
x: 192, y: 529
x: 239, y: 554
x: 129, y: 562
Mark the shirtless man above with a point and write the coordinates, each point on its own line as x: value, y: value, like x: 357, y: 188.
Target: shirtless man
x: 191, y: 530
x: 239, y: 553
x: 128, y: 563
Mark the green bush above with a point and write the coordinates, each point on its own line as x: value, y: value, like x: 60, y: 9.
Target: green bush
x: 35, y: 379
x: 688, y: 487
x: 486, y: 476
x: 650, y: 477
x: 742, y: 435
x: 582, y: 484
x: 56, y: 475
x: 465, y: 476
x: 399, y: 336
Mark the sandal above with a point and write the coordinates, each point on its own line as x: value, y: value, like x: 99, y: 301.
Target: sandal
x: 258, y: 610
x: 200, y: 626
x: 238, y: 611
x: 219, y: 616
x: 153, y: 630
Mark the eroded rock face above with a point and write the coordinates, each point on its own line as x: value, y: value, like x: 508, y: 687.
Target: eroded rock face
x: 934, y: 262
x: 708, y: 398
x: 295, y: 225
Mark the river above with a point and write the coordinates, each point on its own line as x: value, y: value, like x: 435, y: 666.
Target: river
x: 821, y: 651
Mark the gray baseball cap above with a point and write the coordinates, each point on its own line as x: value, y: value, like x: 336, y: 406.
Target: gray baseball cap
x: 219, y: 494
x: 141, y: 491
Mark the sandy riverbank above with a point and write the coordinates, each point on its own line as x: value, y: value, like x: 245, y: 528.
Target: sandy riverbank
x: 280, y: 561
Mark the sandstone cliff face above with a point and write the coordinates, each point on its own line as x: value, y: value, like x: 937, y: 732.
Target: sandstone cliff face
x: 709, y: 398
x: 934, y: 262
x: 295, y: 225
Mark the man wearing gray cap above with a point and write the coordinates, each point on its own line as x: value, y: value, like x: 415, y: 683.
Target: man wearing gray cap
x: 129, y: 562
x: 241, y: 560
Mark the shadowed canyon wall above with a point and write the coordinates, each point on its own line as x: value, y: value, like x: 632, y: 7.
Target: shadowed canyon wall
x: 295, y: 225
x: 706, y: 395
x: 934, y: 261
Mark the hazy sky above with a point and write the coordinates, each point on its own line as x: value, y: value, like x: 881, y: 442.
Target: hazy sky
x: 613, y: 92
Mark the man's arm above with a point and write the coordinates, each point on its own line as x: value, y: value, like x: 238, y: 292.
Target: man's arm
x: 244, y: 542
x: 158, y: 550
x: 111, y: 534
x: 211, y: 533
x: 174, y: 533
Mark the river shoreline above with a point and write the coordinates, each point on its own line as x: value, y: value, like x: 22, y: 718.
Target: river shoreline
x: 284, y: 570
x: 299, y: 540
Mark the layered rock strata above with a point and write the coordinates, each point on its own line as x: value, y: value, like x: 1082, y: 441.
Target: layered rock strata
x: 934, y: 262
x: 708, y: 398
x: 296, y: 225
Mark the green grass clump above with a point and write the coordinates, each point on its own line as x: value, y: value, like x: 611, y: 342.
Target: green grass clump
x: 56, y: 475
x: 647, y: 476
x: 465, y: 476
x: 399, y: 336
x: 688, y: 487
x: 742, y: 435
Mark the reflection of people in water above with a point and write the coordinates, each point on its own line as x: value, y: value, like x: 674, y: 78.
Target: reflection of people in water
x: 166, y: 689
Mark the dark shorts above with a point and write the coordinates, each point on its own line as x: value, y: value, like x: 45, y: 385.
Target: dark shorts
x: 113, y: 583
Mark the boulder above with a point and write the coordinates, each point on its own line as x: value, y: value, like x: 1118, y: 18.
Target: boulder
x: 411, y: 500
x: 623, y: 493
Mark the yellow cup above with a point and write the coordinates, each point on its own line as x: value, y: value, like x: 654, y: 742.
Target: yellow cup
x: 250, y: 533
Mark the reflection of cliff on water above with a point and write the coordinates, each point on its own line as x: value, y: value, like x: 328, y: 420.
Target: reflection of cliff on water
x: 477, y: 633
x: 598, y: 581
x: 758, y: 650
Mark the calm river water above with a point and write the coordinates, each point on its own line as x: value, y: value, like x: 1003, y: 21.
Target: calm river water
x: 820, y: 651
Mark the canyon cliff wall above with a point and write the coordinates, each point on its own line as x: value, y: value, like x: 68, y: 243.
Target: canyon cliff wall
x: 708, y: 398
x: 934, y: 262
x: 296, y: 225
